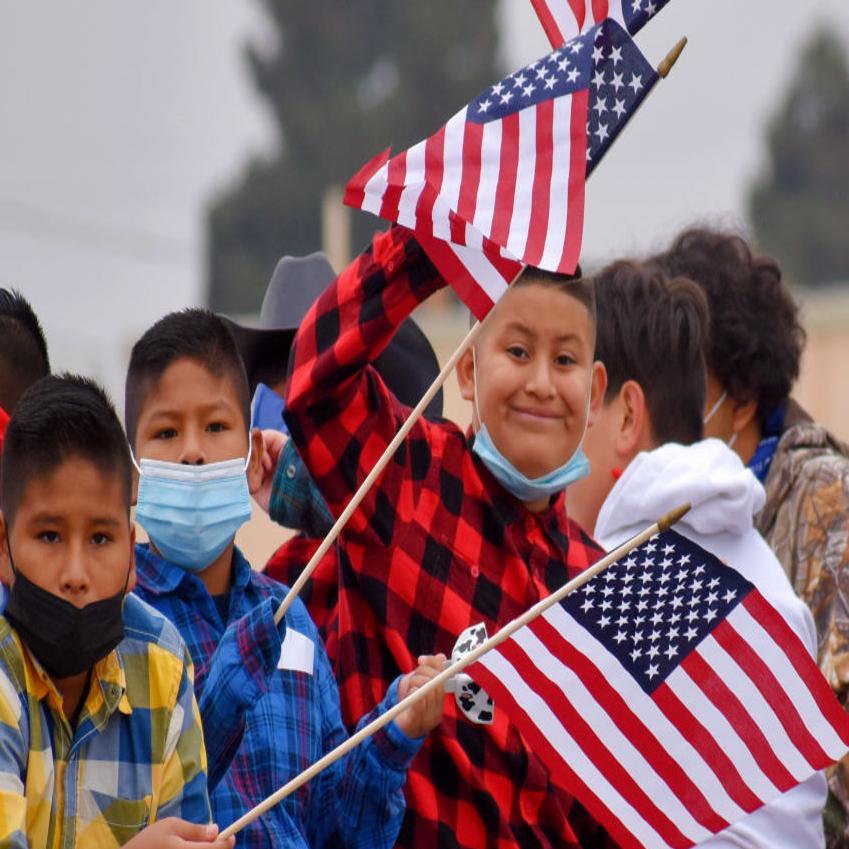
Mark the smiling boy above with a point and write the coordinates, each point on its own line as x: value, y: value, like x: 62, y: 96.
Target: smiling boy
x: 267, y: 696
x: 461, y: 527
x: 99, y: 729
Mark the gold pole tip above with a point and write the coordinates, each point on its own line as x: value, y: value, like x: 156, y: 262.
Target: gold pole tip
x: 673, y: 516
x: 671, y: 58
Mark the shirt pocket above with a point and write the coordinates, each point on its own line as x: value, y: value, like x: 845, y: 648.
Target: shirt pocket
x: 107, y: 820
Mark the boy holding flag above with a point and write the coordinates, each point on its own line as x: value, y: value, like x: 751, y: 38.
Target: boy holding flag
x: 461, y: 528
x: 267, y: 697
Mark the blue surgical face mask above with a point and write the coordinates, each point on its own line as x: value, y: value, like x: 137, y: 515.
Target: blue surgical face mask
x: 525, y: 488
x: 192, y: 513
x: 267, y: 409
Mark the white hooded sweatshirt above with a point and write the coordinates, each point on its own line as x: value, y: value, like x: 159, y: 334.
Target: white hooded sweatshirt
x: 724, y: 496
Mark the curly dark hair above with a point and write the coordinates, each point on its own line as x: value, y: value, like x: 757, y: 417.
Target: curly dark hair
x: 756, y: 339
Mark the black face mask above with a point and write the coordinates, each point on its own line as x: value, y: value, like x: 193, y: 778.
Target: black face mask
x: 66, y: 640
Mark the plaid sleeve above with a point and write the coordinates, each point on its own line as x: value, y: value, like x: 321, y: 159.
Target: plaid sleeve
x: 236, y: 678
x: 358, y: 802
x: 339, y: 411
x: 13, y: 756
x: 183, y: 788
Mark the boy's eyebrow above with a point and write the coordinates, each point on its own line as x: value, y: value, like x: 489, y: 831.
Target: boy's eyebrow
x: 520, y: 327
x: 46, y: 519
x: 523, y: 328
x: 51, y: 519
x: 212, y: 407
x: 109, y: 521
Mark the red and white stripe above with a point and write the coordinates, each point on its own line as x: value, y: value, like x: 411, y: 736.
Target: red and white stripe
x: 562, y: 20
x: 746, y: 716
x: 509, y: 191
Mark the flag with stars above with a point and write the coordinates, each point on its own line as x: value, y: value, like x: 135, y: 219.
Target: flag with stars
x: 667, y: 695
x: 564, y: 19
x: 502, y: 183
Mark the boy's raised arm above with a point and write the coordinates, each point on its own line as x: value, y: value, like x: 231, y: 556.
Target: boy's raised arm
x: 339, y: 411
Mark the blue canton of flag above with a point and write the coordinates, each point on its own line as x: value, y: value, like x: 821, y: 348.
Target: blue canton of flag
x: 562, y: 72
x: 637, y: 12
x: 621, y: 79
x: 652, y: 609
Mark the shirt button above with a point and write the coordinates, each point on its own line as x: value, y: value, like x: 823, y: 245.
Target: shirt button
x: 291, y: 471
x: 475, y: 571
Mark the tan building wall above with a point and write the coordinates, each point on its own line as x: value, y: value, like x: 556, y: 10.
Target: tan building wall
x: 823, y: 387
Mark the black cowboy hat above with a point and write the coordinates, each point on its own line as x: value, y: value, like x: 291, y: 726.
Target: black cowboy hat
x: 408, y: 365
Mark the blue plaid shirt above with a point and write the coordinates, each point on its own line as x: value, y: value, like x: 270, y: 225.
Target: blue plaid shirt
x: 269, y: 713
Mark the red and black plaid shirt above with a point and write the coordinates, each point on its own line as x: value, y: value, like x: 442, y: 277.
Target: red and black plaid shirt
x: 436, y: 546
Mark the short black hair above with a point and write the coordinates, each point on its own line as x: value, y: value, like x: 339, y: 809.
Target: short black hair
x: 23, y: 348
x: 756, y: 336
x: 575, y: 285
x: 57, y: 418
x: 654, y: 329
x: 195, y: 334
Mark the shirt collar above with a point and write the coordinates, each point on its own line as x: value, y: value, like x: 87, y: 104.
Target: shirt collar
x: 154, y: 573
x: 108, y: 673
x: 159, y: 576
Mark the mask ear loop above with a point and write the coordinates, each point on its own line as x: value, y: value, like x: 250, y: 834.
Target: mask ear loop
x: 715, y: 407
x: 133, y: 458
x: 250, y: 448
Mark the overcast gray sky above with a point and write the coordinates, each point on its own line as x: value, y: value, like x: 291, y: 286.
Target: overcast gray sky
x: 119, y: 120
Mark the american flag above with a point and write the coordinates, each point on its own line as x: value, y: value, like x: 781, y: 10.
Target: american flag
x: 564, y: 19
x: 668, y: 695
x: 502, y: 183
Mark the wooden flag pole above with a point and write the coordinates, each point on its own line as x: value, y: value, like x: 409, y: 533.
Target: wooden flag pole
x: 450, y: 671
x: 663, y: 70
x: 379, y: 466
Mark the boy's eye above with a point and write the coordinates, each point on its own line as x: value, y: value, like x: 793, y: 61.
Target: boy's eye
x: 216, y: 427
x: 165, y: 433
x: 564, y: 360
x: 517, y: 351
x: 49, y: 536
x: 99, y: 539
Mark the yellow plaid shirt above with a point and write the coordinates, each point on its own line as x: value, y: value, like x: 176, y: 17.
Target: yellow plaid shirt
x: 135, y: 756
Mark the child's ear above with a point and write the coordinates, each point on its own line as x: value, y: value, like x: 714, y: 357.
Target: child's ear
x: 598, y: 386
x: 743, y: 414
x: 134, y: 493
x: 634, y: 431
x: 131, y: 578
x: 254, y: 470
x: 5, y: 565
x: 466, y: 375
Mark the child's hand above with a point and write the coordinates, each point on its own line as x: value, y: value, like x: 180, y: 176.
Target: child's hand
x: 425, y: 714
x: 273, y: 442
x: 173, y: 833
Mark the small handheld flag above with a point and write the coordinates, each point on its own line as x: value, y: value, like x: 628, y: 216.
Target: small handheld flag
x: 502, y: 183
x: 469, y: 656
x: 564, y: 19
x: 668, y: 696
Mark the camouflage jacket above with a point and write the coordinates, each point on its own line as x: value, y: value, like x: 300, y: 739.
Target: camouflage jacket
x: 806, y: 522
